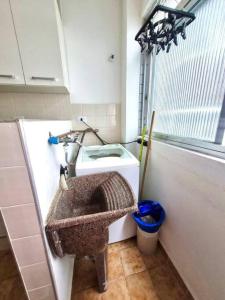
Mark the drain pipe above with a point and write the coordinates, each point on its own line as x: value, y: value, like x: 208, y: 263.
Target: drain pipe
x: 66, y: 152
x: 63, y: 183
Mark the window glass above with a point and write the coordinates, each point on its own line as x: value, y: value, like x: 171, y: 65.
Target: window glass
x: 189, y: 84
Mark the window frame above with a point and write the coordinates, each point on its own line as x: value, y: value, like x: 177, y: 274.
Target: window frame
x: 196, y: 145
x: 215, y: 149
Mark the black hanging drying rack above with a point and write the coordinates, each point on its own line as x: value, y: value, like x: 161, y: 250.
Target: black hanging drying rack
x: 162, y: 32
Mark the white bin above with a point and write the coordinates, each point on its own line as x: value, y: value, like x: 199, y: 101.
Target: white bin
x: 147, y: 241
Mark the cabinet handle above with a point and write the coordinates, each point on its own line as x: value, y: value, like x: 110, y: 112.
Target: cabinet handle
x: 7, y: 76
x: 43, y: 78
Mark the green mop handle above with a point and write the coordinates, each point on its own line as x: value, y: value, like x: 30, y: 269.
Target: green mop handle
x: 142, y: 143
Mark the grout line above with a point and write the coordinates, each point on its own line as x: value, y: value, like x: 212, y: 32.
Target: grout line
x: 20, y: 127
x: 16, y: 260
x: 23, y: 237
x: 26, y: 237
x: 35, y: 264
x: 40, y: 287
x: 127, y: 288
x: 118, y: 252
x: 121, y: 260
x: 17, y: 205
x: 125, y: 277
x: 12, y: 167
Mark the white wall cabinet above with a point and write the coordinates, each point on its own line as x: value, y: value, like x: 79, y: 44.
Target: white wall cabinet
x: 38, y: 39
x: 11, y: 72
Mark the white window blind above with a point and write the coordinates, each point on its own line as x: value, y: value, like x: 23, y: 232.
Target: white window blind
x: 189, y: 85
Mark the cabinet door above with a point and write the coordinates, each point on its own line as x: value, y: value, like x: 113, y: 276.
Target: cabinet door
x: 11, y: 71
x: 37, y: 29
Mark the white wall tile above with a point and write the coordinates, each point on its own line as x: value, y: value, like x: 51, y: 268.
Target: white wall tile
x: 111, y: 109
x: 100, y: 109
x: 101, y: 121
x: 7, y: 109
x: 58, y: 107
x: 28, y: 105
x: 88, y: 110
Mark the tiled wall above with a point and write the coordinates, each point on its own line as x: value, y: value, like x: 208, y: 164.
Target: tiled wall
x: 45, y: 181
x: 105, y: 117
x: 20, y: 216
x: 18, y: 207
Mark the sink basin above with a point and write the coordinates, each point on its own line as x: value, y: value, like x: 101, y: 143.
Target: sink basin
x: 79, y: 217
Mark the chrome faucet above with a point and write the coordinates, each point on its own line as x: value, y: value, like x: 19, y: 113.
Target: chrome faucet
x: 66, y: 139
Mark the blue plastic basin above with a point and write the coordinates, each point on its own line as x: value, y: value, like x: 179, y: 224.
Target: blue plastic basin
x: 149, y: 208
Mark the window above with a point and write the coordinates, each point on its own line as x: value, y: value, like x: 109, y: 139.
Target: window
x: 188, y: 89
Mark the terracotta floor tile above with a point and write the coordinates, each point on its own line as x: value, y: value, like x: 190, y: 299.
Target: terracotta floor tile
x: 8, y: 267
x: 117, y: 290
x: 132, y: 261
x: 84, y: 274
x: 179, y: 280
x: 156, y: 259
x: 11, y: 286
x: 115, y: 268
x: 4, y: 244
x: 131, y: 276
x: 89, y: 294
x: 165, y: 284
x: 140, y: 287
x: 116, y: 247
x: 12, y: 289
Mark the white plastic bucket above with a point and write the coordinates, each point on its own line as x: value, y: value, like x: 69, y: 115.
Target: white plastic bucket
x: 147, y: 241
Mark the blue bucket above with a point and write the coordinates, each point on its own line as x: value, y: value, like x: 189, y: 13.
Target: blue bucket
x: 149, y: 208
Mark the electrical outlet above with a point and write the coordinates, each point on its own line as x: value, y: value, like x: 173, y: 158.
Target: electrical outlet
x: 82, y: 118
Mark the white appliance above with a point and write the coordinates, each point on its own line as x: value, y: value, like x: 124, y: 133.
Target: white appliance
x: 114, y: 157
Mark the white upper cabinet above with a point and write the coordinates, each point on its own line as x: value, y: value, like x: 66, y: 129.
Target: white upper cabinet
x: 32, y: 43
x: 11, y: 72
x: 38, y: 29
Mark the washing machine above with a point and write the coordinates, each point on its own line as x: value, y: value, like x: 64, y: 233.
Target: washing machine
x: 113, y: 157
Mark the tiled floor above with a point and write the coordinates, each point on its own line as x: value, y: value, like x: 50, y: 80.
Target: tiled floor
x: 11, y: 287
x: 132, y: 276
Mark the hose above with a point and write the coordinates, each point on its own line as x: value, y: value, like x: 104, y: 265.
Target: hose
x: 104, y: 142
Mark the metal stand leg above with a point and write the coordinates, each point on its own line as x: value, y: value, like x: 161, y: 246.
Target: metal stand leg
x: 101, y: 269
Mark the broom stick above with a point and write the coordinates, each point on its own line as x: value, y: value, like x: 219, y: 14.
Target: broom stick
x: 147, y: 153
